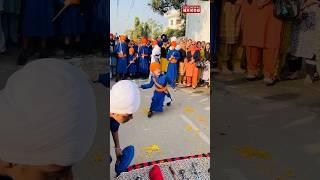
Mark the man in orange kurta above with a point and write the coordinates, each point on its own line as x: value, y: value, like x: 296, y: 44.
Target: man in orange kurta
x: 192, y: 72
x: 261, y: 33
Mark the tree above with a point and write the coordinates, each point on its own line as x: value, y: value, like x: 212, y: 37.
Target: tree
x: 174, y: 32
x: 170, y: 32
x: 163, y: 6
x: 136, y: 22
x: 156, y: 29
x: 150, y: 29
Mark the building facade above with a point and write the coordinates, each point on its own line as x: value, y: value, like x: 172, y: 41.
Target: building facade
x: 198, y: 24
x: 174, y: 19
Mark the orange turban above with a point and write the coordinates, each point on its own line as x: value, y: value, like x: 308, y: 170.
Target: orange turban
x: 131, y: 50
x: 174, y: 43
x: 154, y: 66
x: 122, y: 38
x: 144, y: 41
x: 155, y: 42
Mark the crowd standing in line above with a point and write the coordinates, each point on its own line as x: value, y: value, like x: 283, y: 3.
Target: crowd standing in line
x: 269, y: 39
x: 184, y: 61
x: 78, y: 30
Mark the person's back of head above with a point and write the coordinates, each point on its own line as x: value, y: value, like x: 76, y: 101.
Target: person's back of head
x: 48, y: 112
x: 124, y: 100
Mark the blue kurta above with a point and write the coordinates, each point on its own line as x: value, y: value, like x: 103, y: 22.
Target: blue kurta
x: 122, y: 62
x: 136, y: 50
x: 172, y: 71
x: 158, y: 97
x: 133, y: 67
x: 72, y: 21
x: 37, y: 18
x: 144, y: 62
x: 100, y: 17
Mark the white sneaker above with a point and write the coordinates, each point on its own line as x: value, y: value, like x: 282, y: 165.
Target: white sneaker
x: 269, y: 81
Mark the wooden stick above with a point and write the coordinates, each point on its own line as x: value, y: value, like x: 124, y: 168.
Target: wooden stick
x: 172, y: 173
x: 59, y: 13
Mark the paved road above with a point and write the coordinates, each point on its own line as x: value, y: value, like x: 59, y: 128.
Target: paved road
x: 94, y: 164
x: 182, y: 129
x: 266, y: 133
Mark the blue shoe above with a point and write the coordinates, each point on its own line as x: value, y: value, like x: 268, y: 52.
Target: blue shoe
x: 125, y: 160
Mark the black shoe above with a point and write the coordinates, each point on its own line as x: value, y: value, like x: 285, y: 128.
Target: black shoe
x: 67, y: 52
x: 77, y: 52
x: 43, y: 54
x: 230, y: 65
x: 150, y: 113
x: 22, y: 58
x: 169, y: 104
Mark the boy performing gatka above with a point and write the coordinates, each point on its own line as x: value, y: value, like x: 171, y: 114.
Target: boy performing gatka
x: 160, y: 82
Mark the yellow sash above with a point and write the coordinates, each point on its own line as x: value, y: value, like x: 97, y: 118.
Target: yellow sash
x: 173, y: 60
x: 160, y: 88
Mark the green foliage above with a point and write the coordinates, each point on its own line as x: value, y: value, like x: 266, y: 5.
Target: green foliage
x: 163, y: 6
x: 174, y: 32
x: 156, y: 29
x: 136, y: 22
x: 150, y: 29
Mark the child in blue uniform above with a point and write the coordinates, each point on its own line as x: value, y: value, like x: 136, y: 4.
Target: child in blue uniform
x: 36, y: 24
x: 160, y: 82
x: 132, y: 63
x: 71, y: 26
x: 173, y: 56
x: 122, y: 51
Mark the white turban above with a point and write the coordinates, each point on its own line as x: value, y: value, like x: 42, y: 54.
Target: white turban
x: 48, y: 115
x: 173, y: 38
x: 156, y: 52
x: 124, y: 97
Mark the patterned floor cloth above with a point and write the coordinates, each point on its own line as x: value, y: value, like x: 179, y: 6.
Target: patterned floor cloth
x: 189, y: 167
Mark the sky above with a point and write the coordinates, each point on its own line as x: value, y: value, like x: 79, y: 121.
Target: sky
x: 124, y: 19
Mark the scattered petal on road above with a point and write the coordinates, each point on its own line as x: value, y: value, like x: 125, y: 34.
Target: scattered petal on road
x: 188, y: 109
x: 250, y: 152
x: 201, y: 119
x: 290, y: 173
x: 189, y: 128
x: 151, y: 149
x: 98, y: 158
x: 145, y: 110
